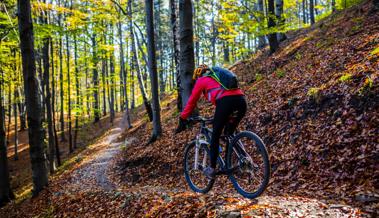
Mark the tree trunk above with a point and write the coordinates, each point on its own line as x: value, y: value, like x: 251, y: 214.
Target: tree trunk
x: 21, y: 109
x: 273, y: 41
x: 69, y: 95
x: 63, y: 138
x: 9, y: 111
x: 33, y: 101
x: 112, y: 76
x: 226, y: 52
x: 95, y: 79
x: 176, y: 51
x: 260, y: 9
x: 146, y: 102
x: 78, y: 103
x: 46, y: 68
x: 57, y: 151
x: 279, y: 16
x: 187, y: 61
x: 157, y: 129
x: 6, y: 193
x: 103, y: 77
x: 312, y: 11
x: 15, y: 126
x: 376, y: 5
x: 304, y: 11
x: 87, y: 94
x: 132, y: 63
x: 122, y: 65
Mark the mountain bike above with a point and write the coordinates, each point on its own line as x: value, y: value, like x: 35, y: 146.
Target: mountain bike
x: 246, y: 163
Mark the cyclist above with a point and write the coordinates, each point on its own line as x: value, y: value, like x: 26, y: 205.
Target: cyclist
x: 227, y: 102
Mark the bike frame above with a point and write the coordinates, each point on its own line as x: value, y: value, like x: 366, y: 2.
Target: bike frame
x: 204, y: 137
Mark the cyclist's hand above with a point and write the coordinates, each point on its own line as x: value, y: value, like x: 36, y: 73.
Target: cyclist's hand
x: 182, y: 125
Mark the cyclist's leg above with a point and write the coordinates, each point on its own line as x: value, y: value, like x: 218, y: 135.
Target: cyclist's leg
x: 222, y: 112
x: 239, y: 110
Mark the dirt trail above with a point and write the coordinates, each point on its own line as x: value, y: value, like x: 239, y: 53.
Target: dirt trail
x: 92, y: 174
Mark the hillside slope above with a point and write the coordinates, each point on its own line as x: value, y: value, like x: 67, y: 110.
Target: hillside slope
x: 315, y: 103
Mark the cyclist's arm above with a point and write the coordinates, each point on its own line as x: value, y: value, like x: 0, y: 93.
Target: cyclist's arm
x: 192, y: 101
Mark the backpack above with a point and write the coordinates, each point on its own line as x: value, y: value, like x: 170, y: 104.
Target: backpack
x: 227, y: 79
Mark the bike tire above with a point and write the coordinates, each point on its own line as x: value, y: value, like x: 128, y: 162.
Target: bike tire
x: 263, y: 151
x: 187, y: 175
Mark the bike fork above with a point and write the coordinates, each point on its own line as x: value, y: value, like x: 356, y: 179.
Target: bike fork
x: 197, y: 147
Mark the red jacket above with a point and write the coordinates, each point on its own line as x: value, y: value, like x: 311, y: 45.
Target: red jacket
x: 212, y: 91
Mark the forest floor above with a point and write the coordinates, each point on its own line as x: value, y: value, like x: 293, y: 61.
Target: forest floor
x: 90, y: 189
x: 20, y: 170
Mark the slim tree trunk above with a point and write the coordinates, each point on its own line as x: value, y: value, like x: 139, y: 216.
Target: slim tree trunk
x: 157, y: 128
x: 95, y: 79
x: 63, y: 138
x: 87, y: 93
x: 51, y: 140
x: 132, y: 64
x: 9, y: 111
x: 78, y: 103
x: 33, y: 101
x: 312, y: 11
x: 112, y: 77
x: 260, y: 8
x: 146, y: 102
x: 273, y: 41
x: 103, y: 77
x: 6, y: 193
x: 279, y: 16
x: 69, y: 95
x: 304, y: 11
x: 187, y: 62
x: 57, y: 151
x: 15, y: 126
x: 174, y: 27
x: 226, y: 52
x: 122, y: 65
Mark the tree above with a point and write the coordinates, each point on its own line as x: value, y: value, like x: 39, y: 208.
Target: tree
x: 312, y: 11
x: 176, y: 51
x: 33, y: 102
x: 279, y: 16
x: 146, y: 101
x: 187, y: 60
x: 376, y: 5
x: 273, y: 41
x: 46, y: 78
x: 152, y: 65
x: 260, y: 18
x: 6, y: 193
x: 95, y: 78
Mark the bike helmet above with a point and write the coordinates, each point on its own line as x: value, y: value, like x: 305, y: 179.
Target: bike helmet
x: 199, y: 71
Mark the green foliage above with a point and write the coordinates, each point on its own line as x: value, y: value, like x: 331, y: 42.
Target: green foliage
x: 313, y: 92
x: 298, y: 56
x: 367, y: 85
x: 345, y: 78
x: 375, y: 51
x: 258, y: 77
x: 343, y: 4
x: 280, y: 73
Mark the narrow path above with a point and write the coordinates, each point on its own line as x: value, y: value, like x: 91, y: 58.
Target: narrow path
x: 92, y: 174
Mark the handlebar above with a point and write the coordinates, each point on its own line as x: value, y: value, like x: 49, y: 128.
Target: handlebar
x: 201, y: 119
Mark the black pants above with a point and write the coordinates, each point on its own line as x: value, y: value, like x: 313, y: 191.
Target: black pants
x: 229, y: 112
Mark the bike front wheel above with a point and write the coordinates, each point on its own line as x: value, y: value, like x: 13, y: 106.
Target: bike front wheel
x: 248, y: 158
x: 196, y: 159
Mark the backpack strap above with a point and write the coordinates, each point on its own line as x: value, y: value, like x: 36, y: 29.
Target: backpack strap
x: 215, y: 89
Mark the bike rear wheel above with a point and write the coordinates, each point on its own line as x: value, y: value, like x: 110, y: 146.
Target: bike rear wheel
x: 193, y: 173
x: 248, y: 157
